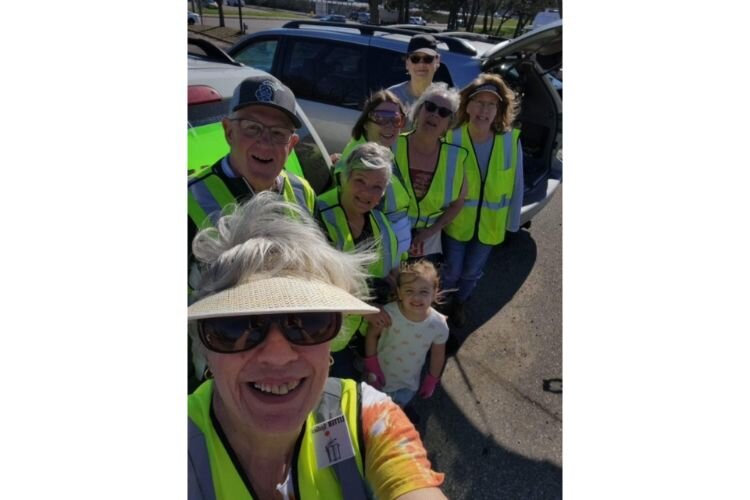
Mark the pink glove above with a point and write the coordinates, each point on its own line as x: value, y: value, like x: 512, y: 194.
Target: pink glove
x: 373, y: 373
x: 429, y: 384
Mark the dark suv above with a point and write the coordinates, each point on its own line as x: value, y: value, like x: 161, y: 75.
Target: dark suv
x: 333, y: 68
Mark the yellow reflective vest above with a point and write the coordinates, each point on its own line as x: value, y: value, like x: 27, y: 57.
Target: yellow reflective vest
x: 332, y: 214
x: 445, y: 187
x: 209, y: 193
x: 395, y: 201
x: 210, y: 462
x: 485, y: 210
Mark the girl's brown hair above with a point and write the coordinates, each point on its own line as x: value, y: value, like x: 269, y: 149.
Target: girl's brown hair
x: 508, y: 107
x: 373, y: 102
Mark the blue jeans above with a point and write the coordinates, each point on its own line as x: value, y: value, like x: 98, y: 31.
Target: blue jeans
x: 402, y: 396
x: 462, y: 265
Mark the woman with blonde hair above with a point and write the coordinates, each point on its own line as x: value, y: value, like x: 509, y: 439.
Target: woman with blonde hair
x: 494, y: 173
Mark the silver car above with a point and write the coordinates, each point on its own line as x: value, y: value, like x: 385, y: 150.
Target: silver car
x: 332, y: 70
x: 212, y: 78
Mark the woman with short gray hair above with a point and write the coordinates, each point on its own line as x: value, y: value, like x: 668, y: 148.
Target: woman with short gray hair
x: 349, y: 216
x: 272, y: 296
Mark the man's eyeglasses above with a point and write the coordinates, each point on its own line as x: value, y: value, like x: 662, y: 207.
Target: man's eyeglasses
x: 431, y: 107
x: 384, y: 118
x: 242, y: 333
x: 252, y: 129
x: 416, y: 58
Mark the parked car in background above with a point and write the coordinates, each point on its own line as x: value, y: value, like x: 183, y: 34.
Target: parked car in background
x: 334, y: 18
x: 333, y: 70
x: 235, y: 3
x: 193, y: 18
x: 416, y: 28
x: 363, y: 17
x: 212, y: 78
x: 417, y: 20
x: 544, y: 17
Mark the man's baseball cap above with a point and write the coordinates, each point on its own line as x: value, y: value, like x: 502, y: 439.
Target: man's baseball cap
x: 265, y: 90
x: 423, y: 43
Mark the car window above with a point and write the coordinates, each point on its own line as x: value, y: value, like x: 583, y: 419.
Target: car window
x: 325, y: 72
x: 313, y: 161
x: 258, y: 54
x: 390, y: 69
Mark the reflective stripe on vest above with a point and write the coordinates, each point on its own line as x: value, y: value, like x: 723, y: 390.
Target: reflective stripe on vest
x: 210, y: 463
x: 206, y: 199
x: 337, y: 227
x: 208, y: 195
x: 302, y: 193
x: 485, y: 210
x: 444, y: 188
x: 200, y: 485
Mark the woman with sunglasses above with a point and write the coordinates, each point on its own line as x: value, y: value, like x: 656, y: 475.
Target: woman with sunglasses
x: 494, y: 172
x: 269, y: 423
x: 422, y: 61
x: 349, y: 216
x: 432, y: 169
x: 382, y: 118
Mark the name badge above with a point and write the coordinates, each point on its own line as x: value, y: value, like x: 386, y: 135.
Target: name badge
x: 332, y: 442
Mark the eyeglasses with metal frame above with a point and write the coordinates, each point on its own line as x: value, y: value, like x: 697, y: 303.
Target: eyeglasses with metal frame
x: 252, y: 129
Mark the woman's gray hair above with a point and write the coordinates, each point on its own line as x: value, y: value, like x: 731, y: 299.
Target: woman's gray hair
x: 368, y: 157
x: 441, y: 89
x: 271, y: 236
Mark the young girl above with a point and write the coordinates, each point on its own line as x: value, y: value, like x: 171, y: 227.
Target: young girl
x: 395, y: 355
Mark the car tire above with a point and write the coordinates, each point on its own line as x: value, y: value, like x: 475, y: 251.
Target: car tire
x: 191, y: 21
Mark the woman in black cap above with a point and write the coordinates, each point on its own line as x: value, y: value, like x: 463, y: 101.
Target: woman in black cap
x: 422, y: 61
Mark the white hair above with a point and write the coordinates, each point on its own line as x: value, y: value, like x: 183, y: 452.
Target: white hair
x: 271, y: 236
x: 368, y: 157
x: 441, y: 89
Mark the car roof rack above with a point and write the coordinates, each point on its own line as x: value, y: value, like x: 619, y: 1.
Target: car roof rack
x: 212, y: 52
x: 457, y: 45
x: 477, y: 37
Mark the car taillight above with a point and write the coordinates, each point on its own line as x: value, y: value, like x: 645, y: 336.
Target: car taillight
x: 201, y: 94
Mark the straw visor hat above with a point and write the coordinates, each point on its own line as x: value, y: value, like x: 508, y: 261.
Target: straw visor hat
x: 265, y: 294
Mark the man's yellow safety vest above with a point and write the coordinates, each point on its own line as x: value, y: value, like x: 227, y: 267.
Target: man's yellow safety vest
x: 208, y: 194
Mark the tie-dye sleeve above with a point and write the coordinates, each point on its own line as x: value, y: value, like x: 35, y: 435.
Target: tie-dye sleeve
x: 395, y: 459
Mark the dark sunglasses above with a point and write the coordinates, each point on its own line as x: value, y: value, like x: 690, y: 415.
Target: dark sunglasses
x: 431, y: 107
x: 384, y: 118
x: 242, y: 333
x: 416, y: 59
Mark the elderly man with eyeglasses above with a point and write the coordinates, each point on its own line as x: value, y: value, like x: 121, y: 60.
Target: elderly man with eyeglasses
x: 260, y: 131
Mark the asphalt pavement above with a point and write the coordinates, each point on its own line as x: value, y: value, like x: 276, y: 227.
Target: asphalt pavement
x: 494, y: 427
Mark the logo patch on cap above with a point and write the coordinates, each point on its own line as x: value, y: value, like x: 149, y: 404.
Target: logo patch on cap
x: 265, y: 91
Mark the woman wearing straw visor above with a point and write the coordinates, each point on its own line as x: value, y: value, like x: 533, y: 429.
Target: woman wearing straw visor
x: 268, y: 423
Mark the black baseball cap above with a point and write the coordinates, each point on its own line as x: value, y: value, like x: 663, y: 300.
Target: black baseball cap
x: 423, y: 43
x: 265, y: 90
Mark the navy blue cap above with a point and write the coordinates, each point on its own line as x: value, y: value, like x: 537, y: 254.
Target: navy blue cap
x: 268, y: 91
